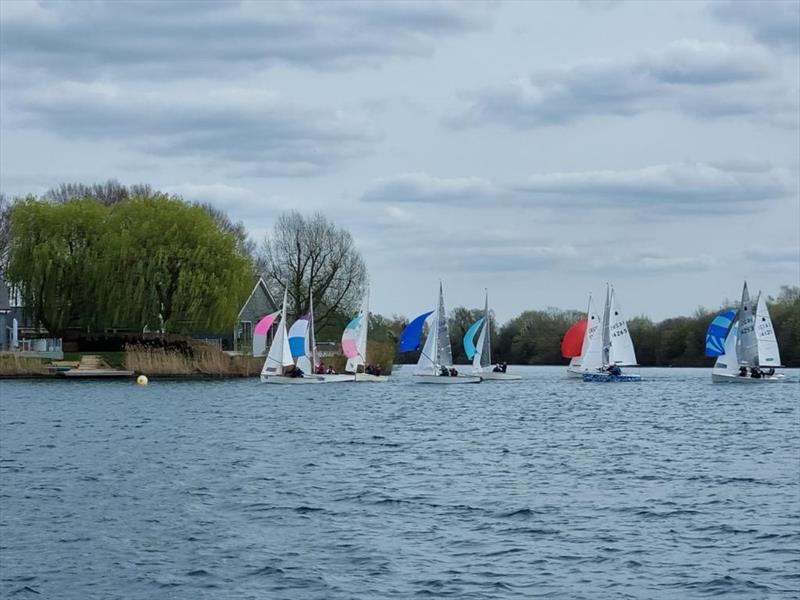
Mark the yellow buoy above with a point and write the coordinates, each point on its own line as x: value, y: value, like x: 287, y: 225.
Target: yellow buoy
x: 141, y: 380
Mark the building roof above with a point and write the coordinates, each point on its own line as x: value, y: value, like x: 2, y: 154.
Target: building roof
x: 263, y: 286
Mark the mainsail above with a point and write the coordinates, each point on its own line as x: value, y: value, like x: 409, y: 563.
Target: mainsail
x: 747, y: 341
x: 768, y: 353
x: 622, y: 352
x: 436, y: 352
x: 484, y: 356
x: 279, y: 355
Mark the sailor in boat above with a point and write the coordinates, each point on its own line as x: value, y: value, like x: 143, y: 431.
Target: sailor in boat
x: 755, y: 373
x: 321, y: 369
x: 497, y: 368
x: 330, y: 371
x: 453, y: 372
x: 742, y: 371
x: 614, y: 370
x: 295, y: 372
x: 443, y: 372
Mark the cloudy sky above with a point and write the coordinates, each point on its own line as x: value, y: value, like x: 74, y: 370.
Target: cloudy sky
x: 538, y: 149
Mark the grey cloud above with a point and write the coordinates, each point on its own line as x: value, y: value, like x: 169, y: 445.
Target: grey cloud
x: 775, y: 23
x: 690, y: 77
x: 254, y: 131
x: 423, y: 188
x: 681, y: 187
x: 83, y: 39
x: 787, y: 255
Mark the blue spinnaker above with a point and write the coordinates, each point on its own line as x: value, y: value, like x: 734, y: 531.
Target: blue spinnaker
x: 717, y: 332
x: 412, y: 334
x: 469, y: 337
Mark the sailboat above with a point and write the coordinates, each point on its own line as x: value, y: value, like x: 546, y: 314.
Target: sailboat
x: 610, y: 347
x: 354, y: 346
x: 280, y: 357
x: 576, y: 341
x: 436, y: 358
x: 744, y: 343
x: 481, y: 353
x: 304, y: 347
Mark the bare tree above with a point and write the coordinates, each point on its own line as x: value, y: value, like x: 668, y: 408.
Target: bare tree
x: 110, y: 192
x: 312, y: 254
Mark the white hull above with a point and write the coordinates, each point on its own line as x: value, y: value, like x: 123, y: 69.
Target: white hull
x: 284, y: 380
x: 736, y: 378
x: 367, y: 378
x: 338, y: 378
x: 492, y: 376
x: 575, y: 373
x: 446, y: 380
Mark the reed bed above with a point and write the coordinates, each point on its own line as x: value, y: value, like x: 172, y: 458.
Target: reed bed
x: 12, y: 365
x: 200, y: 360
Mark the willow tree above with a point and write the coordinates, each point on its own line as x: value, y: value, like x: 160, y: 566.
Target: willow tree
x: 53, y: 259
x: 149, y: 261
x: 173, y: 268
x: 310, y: 254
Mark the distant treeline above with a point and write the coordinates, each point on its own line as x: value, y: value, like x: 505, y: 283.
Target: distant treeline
x: 534, y: 337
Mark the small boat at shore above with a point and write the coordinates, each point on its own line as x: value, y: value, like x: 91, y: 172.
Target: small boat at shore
x: 92, y: 367
x: 745, y: 344
x: 435, y: 364
x: 481, y: 353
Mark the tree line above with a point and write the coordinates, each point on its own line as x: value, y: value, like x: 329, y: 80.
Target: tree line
x: 534, y: 337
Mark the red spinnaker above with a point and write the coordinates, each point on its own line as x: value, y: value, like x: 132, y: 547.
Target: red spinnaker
x: 573, y: 340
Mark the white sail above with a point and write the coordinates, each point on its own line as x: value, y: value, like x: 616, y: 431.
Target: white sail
x: 444, y: 353
x: 747, y: 340
x: 727, y: 363
x: 768, y: 353
x: 621, y: 352
x: 279, y: 354
x: 436, y: 352
x: 592, y: 353
x: 427, y: 359
x: 483, y: 349
x: 592, y: 326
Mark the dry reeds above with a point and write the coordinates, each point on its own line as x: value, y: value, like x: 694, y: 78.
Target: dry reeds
x: 201, y: 359
x: 12, y: 365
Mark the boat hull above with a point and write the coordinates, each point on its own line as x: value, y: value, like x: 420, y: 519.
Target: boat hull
x: 367, y: 378
x: 444, y: 380
x: 284, y: 380
x: 573, y: 373
x: 338, y: 378
x: 736, y: 378
x: 492, y: 376
x: 609, y: 378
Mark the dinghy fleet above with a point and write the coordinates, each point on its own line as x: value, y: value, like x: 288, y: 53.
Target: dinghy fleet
x: 598, y: 346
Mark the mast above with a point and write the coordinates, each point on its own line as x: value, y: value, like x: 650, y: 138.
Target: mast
x: 366, y: 329
x: 606, y: 328
x: 311, y: 324
x: 435, y: 330
x: 488, y: 343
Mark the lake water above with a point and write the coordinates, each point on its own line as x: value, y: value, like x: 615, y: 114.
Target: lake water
x: 670, y: 488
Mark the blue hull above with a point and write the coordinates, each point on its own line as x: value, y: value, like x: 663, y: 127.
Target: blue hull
x: 607, y: 377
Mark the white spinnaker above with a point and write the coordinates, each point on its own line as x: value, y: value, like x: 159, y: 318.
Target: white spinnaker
x: 279, y: 354
x: 727, y: 363
x: 747, y: 340
x: 768, y: 353
x: 622, y: 352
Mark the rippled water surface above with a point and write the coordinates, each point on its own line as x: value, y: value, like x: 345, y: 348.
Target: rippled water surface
x: 671, y: 488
